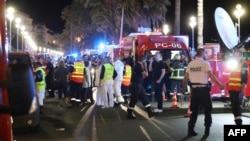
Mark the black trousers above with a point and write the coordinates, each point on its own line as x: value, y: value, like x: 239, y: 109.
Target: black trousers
x: 158, y: 87
x: 200, y: 99
x: 236, y: 99
x: 138, y: 93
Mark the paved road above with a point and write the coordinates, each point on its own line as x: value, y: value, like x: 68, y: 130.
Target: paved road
x: 93, y: 123
x: 112, y: 125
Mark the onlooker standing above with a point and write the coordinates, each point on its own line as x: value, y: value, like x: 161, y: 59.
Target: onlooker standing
x: 137, y: 89
x: 97, y: 83
x: 86, y: 85
x: 40, y: 84
x: 50, y: 77
x: 61, y: 76
x: 107, y: 76
x: 119, y: 68
x: 158, y: 67
x: 167, y: 81
x: 236, y: 86
x: 198, y: 71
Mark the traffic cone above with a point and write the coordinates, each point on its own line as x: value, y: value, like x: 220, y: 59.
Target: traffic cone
x: 174, y: 101
x: 188, y: 114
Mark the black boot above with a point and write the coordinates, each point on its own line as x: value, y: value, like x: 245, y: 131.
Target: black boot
x: 41, y: 110
x: 238, y: 121
x: 130, y: 114
x: 192, y: 132
x: 150, y: 113
x: 207, y: 131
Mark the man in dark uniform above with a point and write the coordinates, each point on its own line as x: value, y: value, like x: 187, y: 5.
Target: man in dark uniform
x: 50, y: 77
x: 137, y: 90
x: 198, y: 72
x: 236, y: 86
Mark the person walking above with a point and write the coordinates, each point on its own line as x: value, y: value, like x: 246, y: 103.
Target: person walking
x: 107, y: 76
x: 236, y: 86
x: 40, y: 84
x: 137, y: 90
x: 61, y: 78
x: 159, y: 68
x: 198, y: 71
x: 119, y: 68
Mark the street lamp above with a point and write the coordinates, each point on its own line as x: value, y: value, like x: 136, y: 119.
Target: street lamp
x: 238, y: 13
x: 10, y: 16
x: 17, y: 20
x: 23, y: 34
x: 192, y: 24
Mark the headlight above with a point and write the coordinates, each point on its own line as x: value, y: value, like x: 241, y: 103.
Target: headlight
x: 232, y: 64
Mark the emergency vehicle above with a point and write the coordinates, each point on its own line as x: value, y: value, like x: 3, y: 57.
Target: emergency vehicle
x: 229, y: 39
x: 11, y: 104
x: 147, y: 44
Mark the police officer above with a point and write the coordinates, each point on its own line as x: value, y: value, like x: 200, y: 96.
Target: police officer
x: 198, y: 72
x: 236, y: 86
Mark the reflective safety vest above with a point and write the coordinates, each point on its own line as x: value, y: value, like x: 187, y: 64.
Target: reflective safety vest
x: 127, y: 76
x: 42, y: 84
x: 109, y: 71
x: 78, y: 73
x: 234, y: 83
x: 44, y: 68
x: 177, y: 74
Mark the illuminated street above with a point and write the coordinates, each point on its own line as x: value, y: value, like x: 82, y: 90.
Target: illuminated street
x: 96, y: 124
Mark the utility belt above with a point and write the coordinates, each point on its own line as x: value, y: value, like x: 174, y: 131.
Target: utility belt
x: 201, y: 85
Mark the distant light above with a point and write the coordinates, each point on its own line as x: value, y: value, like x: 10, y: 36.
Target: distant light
x: 74, y: 55
x: 232, y: 63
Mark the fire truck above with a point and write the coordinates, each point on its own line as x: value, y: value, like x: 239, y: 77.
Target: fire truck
x: 147, y: 44
x: 138, y: 44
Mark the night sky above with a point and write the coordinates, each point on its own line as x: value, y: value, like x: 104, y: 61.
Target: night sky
x: 49, y: 11
x: 45, y: 11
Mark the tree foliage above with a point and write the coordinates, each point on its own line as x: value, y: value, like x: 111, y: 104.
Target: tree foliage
x: 100, y: 20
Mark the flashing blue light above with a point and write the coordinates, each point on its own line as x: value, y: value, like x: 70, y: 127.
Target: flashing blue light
x: 74, y: 55
x: 101, y: 46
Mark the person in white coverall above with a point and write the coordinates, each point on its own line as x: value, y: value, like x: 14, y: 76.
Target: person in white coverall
x: 107, y: 76
x: 119, y: 68
x: 99, y: 93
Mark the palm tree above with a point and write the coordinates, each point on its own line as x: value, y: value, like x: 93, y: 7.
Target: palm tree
x: 200, y: 23
x: 177, y: 20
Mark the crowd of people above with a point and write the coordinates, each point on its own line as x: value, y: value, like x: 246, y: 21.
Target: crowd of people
x: 112, y: 79
x: 120, y: 81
